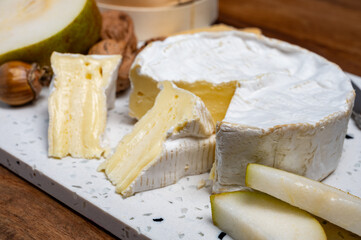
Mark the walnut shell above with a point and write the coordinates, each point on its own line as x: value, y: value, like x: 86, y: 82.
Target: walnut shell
x: 118, y: 37
x: 108, y: 47
x: 117, y: 25
x: 123, y: 73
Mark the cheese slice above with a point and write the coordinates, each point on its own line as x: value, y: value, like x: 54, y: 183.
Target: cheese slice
x: 82, y: 89
x: 174, y: 139
x: 276, y: 104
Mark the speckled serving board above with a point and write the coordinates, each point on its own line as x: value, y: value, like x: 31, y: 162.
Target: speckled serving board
x: 179, y: 211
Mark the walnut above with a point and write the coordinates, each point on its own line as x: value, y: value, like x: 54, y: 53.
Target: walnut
x: 123, y: 73
x: 118, y: 37
x: 133, y: 43
x: 108, y: 47
x: 117, y: 25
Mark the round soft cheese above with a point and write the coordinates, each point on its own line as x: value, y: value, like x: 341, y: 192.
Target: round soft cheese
x: 285, y: 106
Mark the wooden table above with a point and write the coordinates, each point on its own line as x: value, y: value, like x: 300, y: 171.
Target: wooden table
x: 331, y: 28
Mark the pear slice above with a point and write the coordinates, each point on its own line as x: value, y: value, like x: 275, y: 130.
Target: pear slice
x: 329, y: 203
x: 31, y: 30
x: 255, y: 215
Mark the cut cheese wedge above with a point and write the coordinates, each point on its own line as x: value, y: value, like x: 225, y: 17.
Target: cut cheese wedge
x: 174, y: 139
x: 331, y: 204
x: 254, y: 215
x: 82, y: 89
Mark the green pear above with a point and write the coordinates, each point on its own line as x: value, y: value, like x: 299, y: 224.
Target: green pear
x: 31, y: 30
x: 248, y: 215
x: 329, y: 203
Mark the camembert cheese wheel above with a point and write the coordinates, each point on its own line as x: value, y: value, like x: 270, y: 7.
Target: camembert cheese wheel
x: 274, y: 103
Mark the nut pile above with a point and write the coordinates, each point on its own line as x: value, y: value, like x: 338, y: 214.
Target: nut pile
x: 118, y: 37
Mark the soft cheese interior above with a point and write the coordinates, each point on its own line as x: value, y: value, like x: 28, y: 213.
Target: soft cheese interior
x: 185, y: 64
x: 82, y: 88
x: 181, y: 64
x: 275, y: 103
x: 175, y: 138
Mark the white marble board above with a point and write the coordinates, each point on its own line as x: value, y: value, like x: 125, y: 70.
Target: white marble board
x: 180, y: 211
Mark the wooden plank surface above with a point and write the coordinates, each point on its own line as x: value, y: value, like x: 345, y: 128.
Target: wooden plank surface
x: 28, y: 213
x: 331, y: 28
